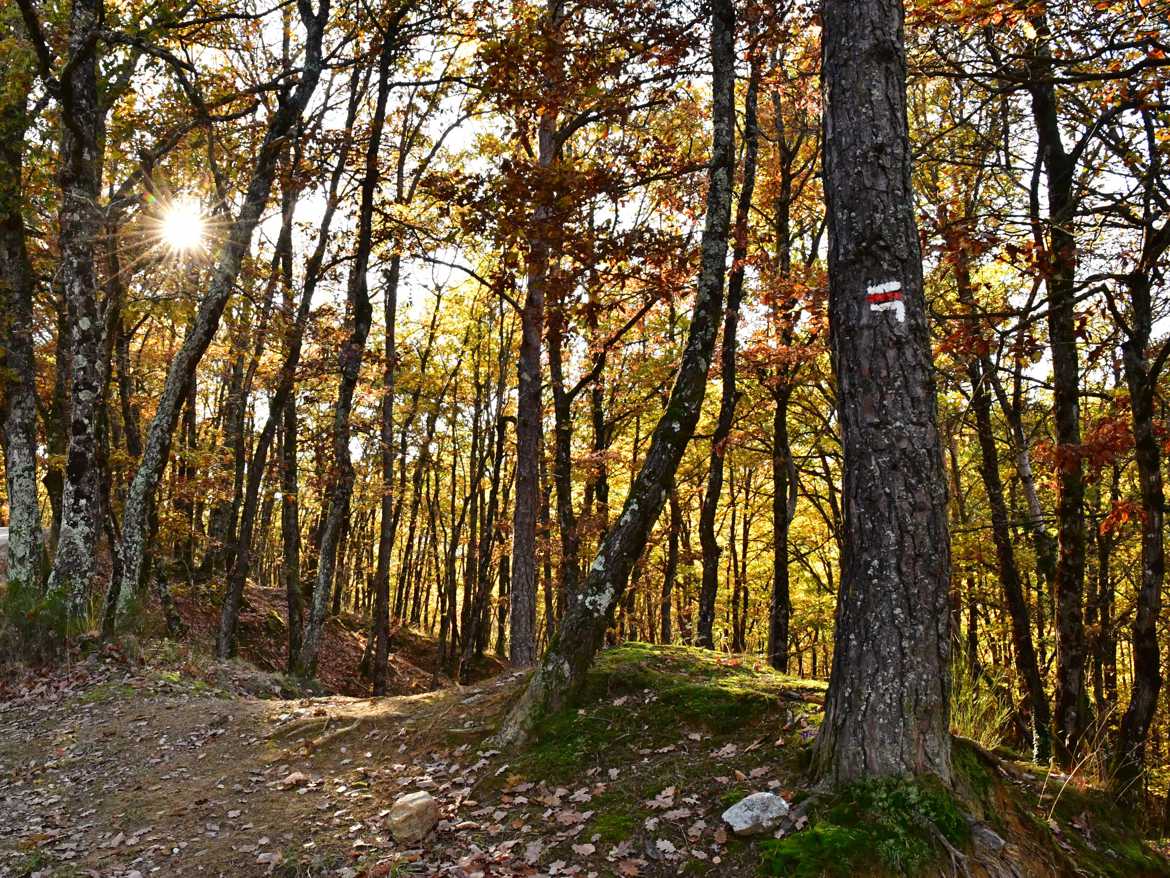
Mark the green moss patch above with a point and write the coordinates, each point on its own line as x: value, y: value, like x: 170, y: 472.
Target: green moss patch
x: 894, y: 824
x: 640, y: 697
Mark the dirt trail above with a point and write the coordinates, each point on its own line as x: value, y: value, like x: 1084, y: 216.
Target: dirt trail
x: 132, y: 772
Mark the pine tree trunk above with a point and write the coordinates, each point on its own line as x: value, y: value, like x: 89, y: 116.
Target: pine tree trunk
x: 582, y: 629
x: 886, y: 711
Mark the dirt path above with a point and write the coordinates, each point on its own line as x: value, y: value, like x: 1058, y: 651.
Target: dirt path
x: 133, y: 772
x: 123, y: 770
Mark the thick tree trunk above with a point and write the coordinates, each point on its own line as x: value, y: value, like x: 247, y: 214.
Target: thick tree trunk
x: 140, y: 500
x: 18, y: 400
x: 583, y: 628
x: 74, y: 564
x: 887, y: 708
x: 729, y: 394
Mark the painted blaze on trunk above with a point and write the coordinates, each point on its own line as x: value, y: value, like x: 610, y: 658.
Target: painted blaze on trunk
x: 886, y: 712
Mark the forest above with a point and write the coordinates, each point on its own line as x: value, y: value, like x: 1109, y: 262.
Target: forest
x: 678, y: 370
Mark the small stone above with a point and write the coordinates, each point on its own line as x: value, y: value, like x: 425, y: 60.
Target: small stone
x: 413, y: 816
x: 756, y: 814
x: 985, y: 837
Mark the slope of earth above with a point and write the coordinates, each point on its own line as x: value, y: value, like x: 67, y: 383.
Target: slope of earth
x: 263, y: 642
x: 122, y: 769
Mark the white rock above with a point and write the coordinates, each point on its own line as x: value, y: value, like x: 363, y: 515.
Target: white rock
x: 413, y: 816
x: 757, y: 813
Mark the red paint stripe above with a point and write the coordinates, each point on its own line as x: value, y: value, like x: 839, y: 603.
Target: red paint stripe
x: 878, y: 298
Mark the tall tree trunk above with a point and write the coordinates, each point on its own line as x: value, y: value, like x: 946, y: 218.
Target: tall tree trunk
x: 290, y: 528
x: 74, y: 565
x: 978, y: 368
x: 887, y: 708
x: 783, y: 508
x: 1071, y: 718
x: 671, y: 573
x: 569, y: 570
x: 221, y: 523
x: 140, y: 499
x: 582, y: 629
x: 1142, y: 380
x: 282, y: 408
x: 350, y: 363
x: 18, y: 400
x: 528, y: 404
x: 386, y: 507
x: 729, y: 394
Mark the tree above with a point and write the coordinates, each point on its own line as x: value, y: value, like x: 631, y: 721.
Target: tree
x: 74, y: 562
x: 18, y: 401
x: 350, y: 356
x: 729, y: 393
x: 887, y: 708
x: 562, y: 670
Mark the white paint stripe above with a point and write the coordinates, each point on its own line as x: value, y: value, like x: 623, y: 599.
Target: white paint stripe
x: 898, y: 307
x: 887, y: 287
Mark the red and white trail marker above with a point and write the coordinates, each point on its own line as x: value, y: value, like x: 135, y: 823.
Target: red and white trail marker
x: 887, y: 297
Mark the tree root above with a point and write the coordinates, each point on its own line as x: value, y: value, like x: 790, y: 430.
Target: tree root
x: 300, y: 725
x: 321, y: 740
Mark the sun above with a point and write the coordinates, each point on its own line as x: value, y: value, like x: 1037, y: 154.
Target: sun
x: 183, y: 226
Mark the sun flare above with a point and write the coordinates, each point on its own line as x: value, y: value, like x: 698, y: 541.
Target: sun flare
x: 183, y: 226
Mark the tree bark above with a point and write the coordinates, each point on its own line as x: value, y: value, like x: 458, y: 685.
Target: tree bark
x: 1141, y: 378
x: 1009, y: 573
x: 729, y: 394
x: 522, y: 641
x: 350, y: 362
x: 887, y: 708
x: 74, y: 564
x: 386, y: 520
x: 18, y: 400
x: 562, y: 671
x: 671, y: 573
x: 783, y: 508
x: 1071, y: 717
x: 281, y: 408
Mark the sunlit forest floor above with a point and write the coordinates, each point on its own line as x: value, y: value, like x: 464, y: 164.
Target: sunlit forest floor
x: 167, y: 763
